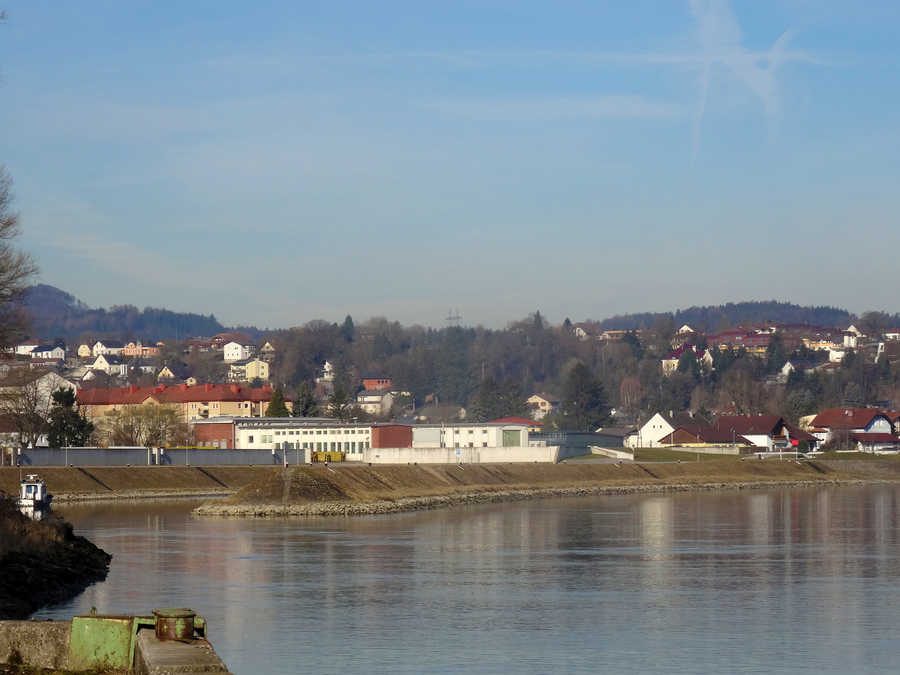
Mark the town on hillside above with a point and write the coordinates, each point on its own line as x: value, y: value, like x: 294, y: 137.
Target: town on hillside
x: 752, y: 388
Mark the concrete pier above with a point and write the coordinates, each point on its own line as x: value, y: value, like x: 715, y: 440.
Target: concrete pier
x: 157, y: 657
x: 46, y: 644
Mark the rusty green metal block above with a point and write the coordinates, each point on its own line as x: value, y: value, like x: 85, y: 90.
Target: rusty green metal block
x: 98, y: 642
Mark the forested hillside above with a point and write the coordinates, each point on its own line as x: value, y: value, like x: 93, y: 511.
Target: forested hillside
x: 476, y: 367
x: 718, y: 317
x: 57, y: 314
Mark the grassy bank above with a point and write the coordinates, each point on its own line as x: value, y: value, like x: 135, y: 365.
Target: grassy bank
x: 319, y: 490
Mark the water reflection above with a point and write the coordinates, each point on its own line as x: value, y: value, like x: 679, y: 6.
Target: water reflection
x: 734, y: 581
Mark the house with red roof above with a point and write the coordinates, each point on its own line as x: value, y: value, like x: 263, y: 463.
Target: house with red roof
x: 767, y: 433
x: 846, y: 425
x: 670, y: 363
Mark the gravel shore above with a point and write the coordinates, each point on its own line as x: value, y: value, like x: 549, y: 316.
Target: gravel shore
x: 349, y: 508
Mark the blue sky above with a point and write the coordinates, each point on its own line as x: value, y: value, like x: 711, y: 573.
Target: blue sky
x: 277, y: 162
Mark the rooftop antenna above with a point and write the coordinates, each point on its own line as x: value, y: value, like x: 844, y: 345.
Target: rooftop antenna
x: 453, y: 318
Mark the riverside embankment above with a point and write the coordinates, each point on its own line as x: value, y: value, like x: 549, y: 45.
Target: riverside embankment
x: 73, y: 484
x: 363, y: 490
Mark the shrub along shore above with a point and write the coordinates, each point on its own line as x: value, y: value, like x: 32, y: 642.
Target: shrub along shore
x: 363, y: 490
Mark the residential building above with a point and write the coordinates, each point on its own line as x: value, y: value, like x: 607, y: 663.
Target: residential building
x: 139, y: 349
x: 249, y: 370
x: 840, y: 424
x: 660, y: 425
x: 852, y: 337
x: 25, y: 348
x: 267, y: 352
x: 109, y: 364
x: 376, y: 382
x: 327, y: 374
x: 48, y: 353
x: 542, y: 404
x: 760, y: 432
x: 753, y: 342
x: 375, y: 402
x: 670, y: 363
x: 171, y: 373
x: 103, y: 347
x: 84, y: 351
x: 235, y: 351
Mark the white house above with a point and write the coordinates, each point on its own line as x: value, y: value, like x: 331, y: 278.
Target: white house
x: 327, y: 373
x: 111, y: 365
x: 658, y: 427
x: 851, y: 337
x: 49, y: 353
x: 375, y: 402
x: 833, y: 422
x: 25, y: 348
x: 235, y: 351
x: 111, y: 347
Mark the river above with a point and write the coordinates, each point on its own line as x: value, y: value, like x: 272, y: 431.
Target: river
x: 803, y: 580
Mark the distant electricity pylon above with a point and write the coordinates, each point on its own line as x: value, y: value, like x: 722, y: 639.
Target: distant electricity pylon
x: 453, y: 318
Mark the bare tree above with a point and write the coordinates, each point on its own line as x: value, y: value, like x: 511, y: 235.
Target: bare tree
x: 27, y: 409
x: 16, y: 267
x: 145, y: 425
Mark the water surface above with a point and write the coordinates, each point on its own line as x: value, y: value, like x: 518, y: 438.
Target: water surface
x: 739, y: 581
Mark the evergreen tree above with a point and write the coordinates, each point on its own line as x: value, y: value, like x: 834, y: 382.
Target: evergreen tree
x: 67, y: 427
x: 348, y: 330
x: 495, y: 400
x: 584, y: 405
x: 277, y: 407
x: 339, y: 404
x: 305, y: 404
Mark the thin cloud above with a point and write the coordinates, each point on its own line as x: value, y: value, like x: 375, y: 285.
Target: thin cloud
x: 720, y: 38
x: 542, y: 109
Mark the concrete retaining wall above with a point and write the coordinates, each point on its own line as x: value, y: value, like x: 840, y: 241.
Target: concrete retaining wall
x: 715, y: 450
x: 37, y: 644
x: 612, y: 452
x: 465, y: 456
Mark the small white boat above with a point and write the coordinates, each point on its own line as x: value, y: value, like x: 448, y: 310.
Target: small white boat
x: 34, y: 501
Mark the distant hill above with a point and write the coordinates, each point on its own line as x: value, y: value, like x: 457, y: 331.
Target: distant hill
x: 57, y: 314
x: 716, y: 317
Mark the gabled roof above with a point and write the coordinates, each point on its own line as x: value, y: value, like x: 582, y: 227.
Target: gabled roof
x: 684, y: 419
x: 705, y: 434
x: 755, y: 425
x: 111, y: 344
x: 47, y: 348
x: 845, y: 418
x: 550, y: 398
